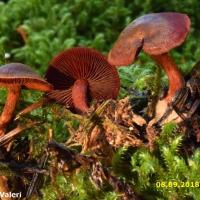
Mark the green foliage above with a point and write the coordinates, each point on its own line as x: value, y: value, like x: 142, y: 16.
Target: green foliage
x: 75, y: 187
x: 52, y: 26
x: 166, y: 172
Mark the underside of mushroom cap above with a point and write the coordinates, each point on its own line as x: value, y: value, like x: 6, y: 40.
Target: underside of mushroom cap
x: 155, y: 33
x: 82, y: 64
x: 17, y: 73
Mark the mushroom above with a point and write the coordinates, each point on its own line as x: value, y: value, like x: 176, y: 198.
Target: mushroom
x: 13, y: 76
x: 156, y: 34
x: 80, y: 75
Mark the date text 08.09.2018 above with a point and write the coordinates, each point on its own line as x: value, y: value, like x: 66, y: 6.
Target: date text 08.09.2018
x: 179, y: 184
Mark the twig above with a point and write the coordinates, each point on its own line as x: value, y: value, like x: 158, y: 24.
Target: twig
x: 10, y: 135
x: 35, y: 179
x: 16, y: 169
x: 31, y: 107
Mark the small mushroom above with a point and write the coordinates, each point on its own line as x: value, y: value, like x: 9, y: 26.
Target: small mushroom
x: 156, y: 34
x: 13, y: 76
x: 80, y: 75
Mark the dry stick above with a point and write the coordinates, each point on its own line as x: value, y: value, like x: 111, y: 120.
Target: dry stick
x: 31, y: 107
x: 13, y: 168
x: 33, y: 185
x: 42, y: 162
x: 10, y: 135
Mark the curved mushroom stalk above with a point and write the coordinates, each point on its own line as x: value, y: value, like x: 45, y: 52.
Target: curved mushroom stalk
x: 9, y: 108
x: 79, y: 96
x: 176, y: 80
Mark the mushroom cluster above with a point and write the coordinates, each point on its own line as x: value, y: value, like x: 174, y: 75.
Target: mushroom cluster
x: 79, y: 75
x: 156, y: 34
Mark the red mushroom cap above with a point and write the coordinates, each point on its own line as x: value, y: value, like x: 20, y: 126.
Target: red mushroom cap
x: 20, y: 74
x: 82, y: 64
x: 155, y: 33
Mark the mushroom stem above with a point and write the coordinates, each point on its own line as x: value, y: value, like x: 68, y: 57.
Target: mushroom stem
x: 176, y: 80
x: 79, y: 96
x: 9, y: 107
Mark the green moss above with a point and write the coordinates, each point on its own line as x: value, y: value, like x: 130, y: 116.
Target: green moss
x: 52, y: 26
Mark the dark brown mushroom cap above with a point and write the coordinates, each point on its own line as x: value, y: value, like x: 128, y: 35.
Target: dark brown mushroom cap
x: 155, y: 33
x: 82, y: 64
x: 20, y: 74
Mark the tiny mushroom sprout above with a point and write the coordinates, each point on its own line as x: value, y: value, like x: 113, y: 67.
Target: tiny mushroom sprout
x: 14, y: 76
x: 80, y: 75
x: 156, y: 34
